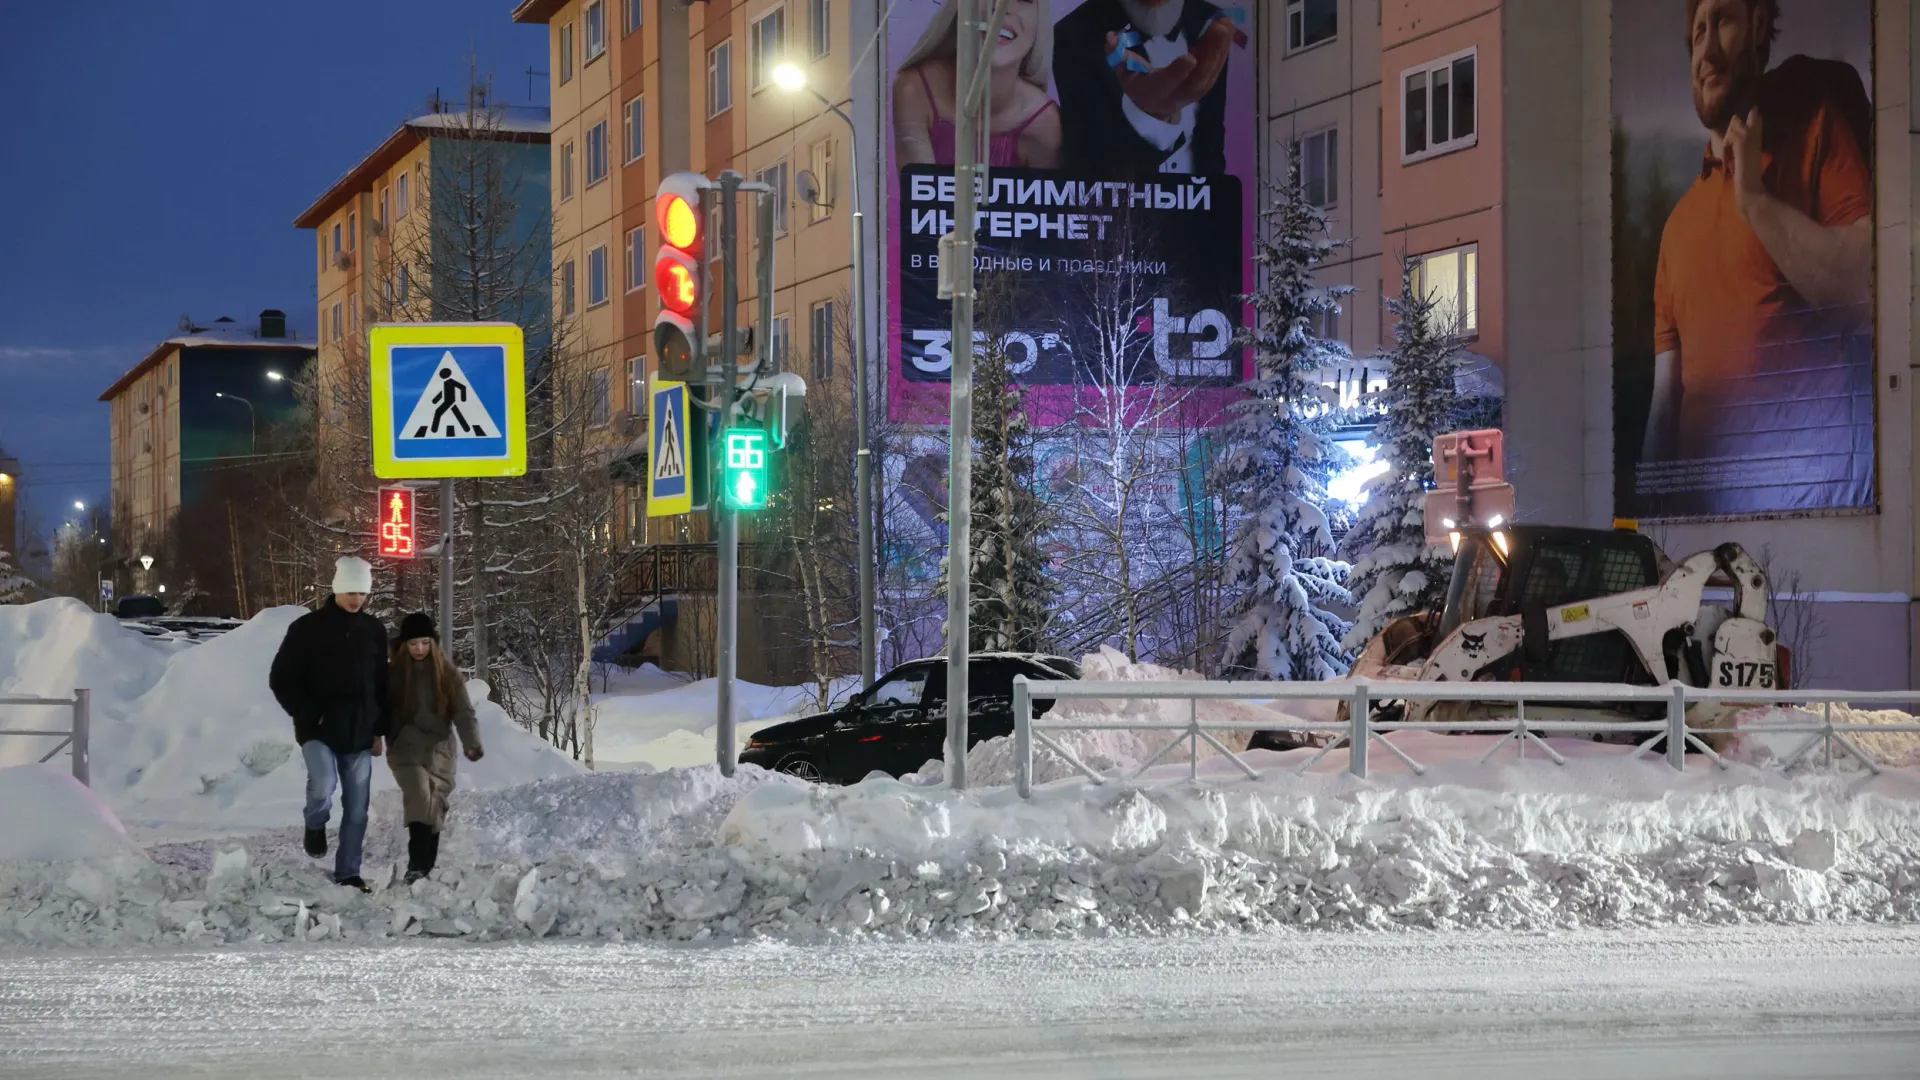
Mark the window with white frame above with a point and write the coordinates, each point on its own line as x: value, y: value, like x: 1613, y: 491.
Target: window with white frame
x: 404, y: 287
x: 336, y: 239
x: 775, y: 177
x: 820, y: 162
x: 634, y: 124
x: 820, y: 28
x: 1439, y: 105
x: 567, y: 301
x: 1310, y: 22
x: 1320, y: 167
x: 596, y: 153
x: 766, y: 47
x: 1451, y: 279
x: 566, y: 170
x: 400, y: 195
x: 337, y: 330
x: 599, y: 396
x: 636, y: 258
x: 594, y: 18
x: 636, y: 374
x: 820, y: 338
x: 636, y: 15
x: 780, y: 344
x: 566, y: 51
x: 598, y: 290
x: 719, y: 79
x: 386, y: 205
x: 353, y: 229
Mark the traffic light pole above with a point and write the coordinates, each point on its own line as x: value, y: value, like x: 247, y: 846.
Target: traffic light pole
x: 726, y: 521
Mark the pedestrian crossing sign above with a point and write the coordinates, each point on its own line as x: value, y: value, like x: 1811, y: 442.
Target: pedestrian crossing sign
x: 449, y: 400
x: 669, y: 479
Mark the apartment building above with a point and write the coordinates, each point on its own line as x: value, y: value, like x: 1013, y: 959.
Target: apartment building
x: 1530, y: 161
x: 641, y: 90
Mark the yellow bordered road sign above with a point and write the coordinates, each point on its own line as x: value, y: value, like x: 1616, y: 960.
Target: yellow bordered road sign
x: 669, y: 477
x: 449, y: 400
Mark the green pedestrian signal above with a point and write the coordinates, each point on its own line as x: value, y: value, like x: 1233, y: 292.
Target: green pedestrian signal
x: 746, y: 484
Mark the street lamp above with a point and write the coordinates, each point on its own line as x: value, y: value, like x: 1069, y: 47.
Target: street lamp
x: 791, y: 78
x: 80, y: 506
x: 253, y: 428
x: 274, y: 376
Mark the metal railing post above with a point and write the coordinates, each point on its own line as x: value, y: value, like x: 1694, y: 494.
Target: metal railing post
x: 1022, y: 737
x: 1357, y: 731
x: 1677, y: 727
x: 82, y: 732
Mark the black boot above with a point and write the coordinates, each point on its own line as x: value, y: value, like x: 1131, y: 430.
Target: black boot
x: 317, y: 842
x: 433, y: 851
x: 419, y: 856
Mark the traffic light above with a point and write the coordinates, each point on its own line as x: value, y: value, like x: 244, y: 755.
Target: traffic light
x: 680, y: 215
x: 396, y: 522
x: 746, y: 483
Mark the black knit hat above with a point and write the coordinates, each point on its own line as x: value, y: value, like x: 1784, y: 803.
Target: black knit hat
x: 417, y: 625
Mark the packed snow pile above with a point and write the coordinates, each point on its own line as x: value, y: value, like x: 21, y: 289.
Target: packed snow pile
x: 50, y: 815
x: 688, y: 855
x: 1761, y: 740
x: 650, y: 717
x: 194, y: 737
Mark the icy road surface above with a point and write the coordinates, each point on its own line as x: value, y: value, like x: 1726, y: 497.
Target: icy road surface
x: 1781, y: 1002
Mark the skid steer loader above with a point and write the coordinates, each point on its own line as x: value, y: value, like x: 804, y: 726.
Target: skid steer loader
x: 1545, y: 603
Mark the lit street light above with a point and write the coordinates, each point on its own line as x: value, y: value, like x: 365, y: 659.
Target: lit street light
x: 80, y: 506
x: 791, y: 78
x: 274, y: 376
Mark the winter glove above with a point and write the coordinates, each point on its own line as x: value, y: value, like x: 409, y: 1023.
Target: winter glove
x: 475, y: 753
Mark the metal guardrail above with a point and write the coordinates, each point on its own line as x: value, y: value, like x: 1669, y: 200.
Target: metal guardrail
x: 78, y: 736
x: 1360, y: 731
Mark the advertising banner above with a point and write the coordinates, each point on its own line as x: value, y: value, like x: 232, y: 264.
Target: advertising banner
x: 1115, y: 215
x: 1743, y: 257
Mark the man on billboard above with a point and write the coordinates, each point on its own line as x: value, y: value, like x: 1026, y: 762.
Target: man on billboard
x: 1762, y: 294
x: 1142, y: 87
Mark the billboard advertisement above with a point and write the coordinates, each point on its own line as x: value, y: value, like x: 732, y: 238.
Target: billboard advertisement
x: 1743, y: 257
x: 1114, y: 219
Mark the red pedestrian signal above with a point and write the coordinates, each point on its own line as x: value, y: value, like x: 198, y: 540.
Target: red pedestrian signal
x: 396, y: 522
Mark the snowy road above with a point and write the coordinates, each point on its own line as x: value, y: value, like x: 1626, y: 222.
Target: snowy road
x: 1829, y: 1002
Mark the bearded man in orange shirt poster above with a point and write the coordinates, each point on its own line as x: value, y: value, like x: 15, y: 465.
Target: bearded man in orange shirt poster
x: 1762, y: 310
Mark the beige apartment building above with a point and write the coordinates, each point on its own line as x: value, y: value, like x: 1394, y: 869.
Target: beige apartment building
x: 642, y: 90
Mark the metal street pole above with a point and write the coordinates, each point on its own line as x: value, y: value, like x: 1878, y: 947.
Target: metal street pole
x: 253, y: 420
x: 446, y: 567
x: 863, y: 456
x: 727, y: 538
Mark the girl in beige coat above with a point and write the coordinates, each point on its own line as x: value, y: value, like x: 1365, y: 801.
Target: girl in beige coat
x: 429, y: 705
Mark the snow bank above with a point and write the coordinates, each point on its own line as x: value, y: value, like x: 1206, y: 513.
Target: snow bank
x: 687, y: 855
x: 49, y: 816
x: 655, y: 718
x: 193, y: 738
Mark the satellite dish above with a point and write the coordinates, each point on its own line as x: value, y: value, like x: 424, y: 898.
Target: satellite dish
x: 807, y: 186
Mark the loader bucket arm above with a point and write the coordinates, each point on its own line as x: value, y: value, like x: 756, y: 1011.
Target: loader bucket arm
x: 1749, y: 581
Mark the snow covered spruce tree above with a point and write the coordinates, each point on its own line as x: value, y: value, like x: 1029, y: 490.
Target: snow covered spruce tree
x: 1277, y: 458
x: 1011, y: 589
x: 1395, y: 571
x: 13, y: 585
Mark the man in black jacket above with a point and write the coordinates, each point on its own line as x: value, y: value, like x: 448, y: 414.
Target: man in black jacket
x: 1143, y: 86
x: 330, y: 675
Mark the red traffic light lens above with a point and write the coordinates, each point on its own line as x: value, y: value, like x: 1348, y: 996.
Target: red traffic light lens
x: 678, y: 290
x: 679, y: 225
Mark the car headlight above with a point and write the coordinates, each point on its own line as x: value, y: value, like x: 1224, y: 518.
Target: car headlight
x: 757, y: 743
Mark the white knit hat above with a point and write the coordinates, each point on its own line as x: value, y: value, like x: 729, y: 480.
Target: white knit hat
x: 352, y: 575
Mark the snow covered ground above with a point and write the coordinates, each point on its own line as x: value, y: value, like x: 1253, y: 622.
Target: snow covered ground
x: 1760, y: 1004
x: 651, y: 717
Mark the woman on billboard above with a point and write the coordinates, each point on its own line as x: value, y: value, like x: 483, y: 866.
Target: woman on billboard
x: 1024, y: 122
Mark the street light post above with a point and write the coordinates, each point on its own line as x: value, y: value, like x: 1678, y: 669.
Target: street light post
x: 253, y: 426
x: 790, y: 77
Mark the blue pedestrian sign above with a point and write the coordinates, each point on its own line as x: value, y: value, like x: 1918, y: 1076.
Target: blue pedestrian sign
x: 449, y: 400
x: 669, y: 477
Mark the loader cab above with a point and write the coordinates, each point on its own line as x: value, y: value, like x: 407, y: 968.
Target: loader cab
x: 1546, y: 566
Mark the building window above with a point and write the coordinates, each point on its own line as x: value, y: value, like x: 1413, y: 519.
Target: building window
x: 636, y: 508
x: 1310, y: 22
x: 566, y: 288
x: 566, y: 170
x: 780, y: 342
x: 404, y: 287
x: 336, y: 239
x: 597, y: 290
x: 775, y: 177
x: 566, y: 52
x: 635, y: 124
x: 353, y: 227
x: 386, y: 204
x: 820, y: 28
x: 766, y: 44
x: 636, y: 16
x: 820, y: 162
x: 353, y: 312
x: 820, y: 340
x: 636, y: 258
x: 599, y: 397
x: 596, y: 153
x: 1320, y: 167
x: 338, y: 331
x: 1451, y: 279
x: 1439, y: 106
x: 595, y: 19
x: 400, y: 195
x: 719, y: 79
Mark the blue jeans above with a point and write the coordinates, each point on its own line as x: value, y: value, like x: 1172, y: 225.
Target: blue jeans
x: 354, y: 773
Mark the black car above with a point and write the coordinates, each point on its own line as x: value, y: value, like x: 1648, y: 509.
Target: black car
x: 900, y: 723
